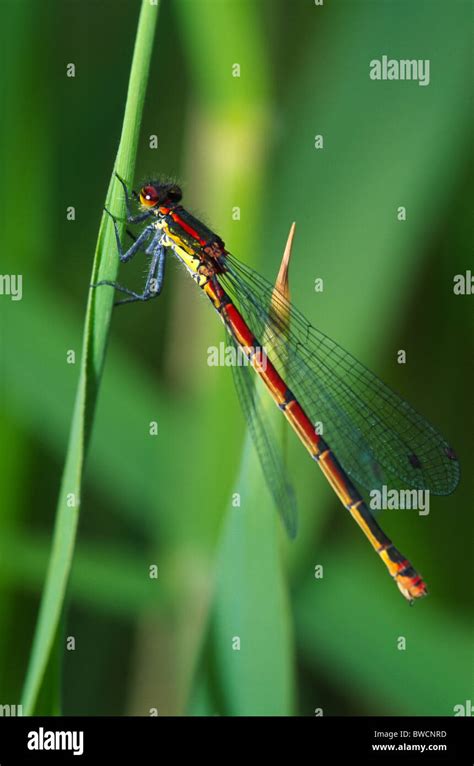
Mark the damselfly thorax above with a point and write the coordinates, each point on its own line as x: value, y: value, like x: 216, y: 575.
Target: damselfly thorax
x: 197, y: 247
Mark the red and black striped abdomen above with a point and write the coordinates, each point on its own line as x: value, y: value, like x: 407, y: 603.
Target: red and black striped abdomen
x: 407, y: 578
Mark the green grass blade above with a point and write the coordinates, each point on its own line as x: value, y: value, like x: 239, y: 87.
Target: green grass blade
x: 251, y: 604
x: 49, y: 700
x: 97, y: 321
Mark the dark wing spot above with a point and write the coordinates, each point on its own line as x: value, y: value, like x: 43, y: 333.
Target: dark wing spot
x: 414, y: 460
x: 450, y: 453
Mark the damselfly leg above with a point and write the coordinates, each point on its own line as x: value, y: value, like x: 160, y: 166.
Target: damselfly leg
x: 156, y: 270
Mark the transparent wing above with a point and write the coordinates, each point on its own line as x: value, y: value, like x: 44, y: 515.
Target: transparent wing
x: 269, y: 454
x: 376, y: 436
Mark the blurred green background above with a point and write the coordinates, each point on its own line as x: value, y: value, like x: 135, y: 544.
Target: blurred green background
x: 247, y: 142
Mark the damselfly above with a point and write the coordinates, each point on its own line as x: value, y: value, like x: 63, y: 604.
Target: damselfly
x: 372, y: 437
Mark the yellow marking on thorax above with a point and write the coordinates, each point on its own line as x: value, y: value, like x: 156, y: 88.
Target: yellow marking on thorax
x: 184, y: 252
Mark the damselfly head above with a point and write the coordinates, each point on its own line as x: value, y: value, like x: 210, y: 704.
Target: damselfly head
x: 160, y: 194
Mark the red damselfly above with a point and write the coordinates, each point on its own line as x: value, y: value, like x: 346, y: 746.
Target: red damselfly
x: 372, y: 437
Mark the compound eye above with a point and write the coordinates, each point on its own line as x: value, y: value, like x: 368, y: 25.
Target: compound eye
x: 174, y: 194
x: 149, y: 196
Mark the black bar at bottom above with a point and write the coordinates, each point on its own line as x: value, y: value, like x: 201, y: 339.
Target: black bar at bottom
x: 420, y: 740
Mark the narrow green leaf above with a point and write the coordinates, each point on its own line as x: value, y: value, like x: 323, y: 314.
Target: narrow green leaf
x: 251, y: 629
x: 97, y: 320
